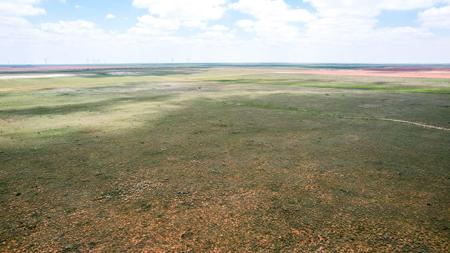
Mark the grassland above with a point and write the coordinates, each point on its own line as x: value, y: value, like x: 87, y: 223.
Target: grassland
x: 224, y: 160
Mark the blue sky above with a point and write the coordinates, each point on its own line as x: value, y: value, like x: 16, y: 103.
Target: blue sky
x: 111, y: 31
x: 92, y: 10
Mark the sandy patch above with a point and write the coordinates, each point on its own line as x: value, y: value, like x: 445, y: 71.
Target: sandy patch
x: 123, y: 73
x: 34, y: 76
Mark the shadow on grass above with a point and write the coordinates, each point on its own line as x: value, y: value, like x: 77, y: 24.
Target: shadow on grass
x: 81, y: 107
x: 139, y: 72
x: 298, y: 178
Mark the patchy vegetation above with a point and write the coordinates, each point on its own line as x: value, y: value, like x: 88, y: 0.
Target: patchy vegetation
x: 224, y: 159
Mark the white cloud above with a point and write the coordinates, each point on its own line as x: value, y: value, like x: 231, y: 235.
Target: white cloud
x: 273, y: 10
x: 274, y: 20
x: 436, y: 17
x: 189, y: 13
x: 20, y: 8
x: 366, y: 8
x: 14, y: 27
x: 336, y: 31
x: 148, y: 24
x: 217, y: 32
x: 340, y: 30
x: 70, y: 27
x: 246, y: 25
x: 110, y: 16
x: 355, y: 21
x: 166, y: 17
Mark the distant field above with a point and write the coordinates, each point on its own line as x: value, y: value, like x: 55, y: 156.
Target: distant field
x: 224, y: 159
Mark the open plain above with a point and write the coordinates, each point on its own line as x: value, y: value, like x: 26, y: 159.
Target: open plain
x: 224, y: 159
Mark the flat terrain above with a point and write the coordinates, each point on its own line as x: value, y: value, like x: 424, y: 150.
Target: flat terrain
x: 224, y: 159
x: 419, y: 73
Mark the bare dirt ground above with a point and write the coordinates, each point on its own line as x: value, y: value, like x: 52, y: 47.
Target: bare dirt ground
x: 418, y: 73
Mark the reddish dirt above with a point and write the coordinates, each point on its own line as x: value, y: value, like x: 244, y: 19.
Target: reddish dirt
x: 417, y: 73
x: 407, y: 72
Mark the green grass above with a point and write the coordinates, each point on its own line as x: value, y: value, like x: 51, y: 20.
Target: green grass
x: 223, y: 159
x: 385, y: 86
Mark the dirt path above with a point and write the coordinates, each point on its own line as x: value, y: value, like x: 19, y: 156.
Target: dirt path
x: 403, y: 121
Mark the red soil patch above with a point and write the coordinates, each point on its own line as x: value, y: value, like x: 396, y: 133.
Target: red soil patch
x: 416, y: 73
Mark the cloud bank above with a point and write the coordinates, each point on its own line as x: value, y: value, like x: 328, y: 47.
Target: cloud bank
x: 233, y: 31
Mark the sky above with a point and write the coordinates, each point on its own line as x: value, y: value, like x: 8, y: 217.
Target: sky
x: 164, y: 31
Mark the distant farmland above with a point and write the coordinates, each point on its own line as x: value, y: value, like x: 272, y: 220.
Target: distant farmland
x: 222, y: 158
